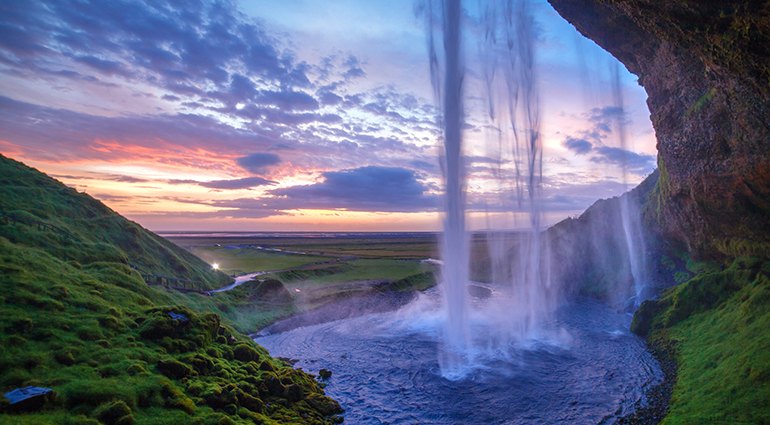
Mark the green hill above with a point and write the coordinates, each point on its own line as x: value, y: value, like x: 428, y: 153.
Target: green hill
x: 97, y: 232
x: 77, y: 318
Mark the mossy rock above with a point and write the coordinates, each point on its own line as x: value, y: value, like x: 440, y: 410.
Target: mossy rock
x: 245, y: 353
x: 293, y: 393
x: 644, y: 316
x: 322, y: 404
x: 174, y: 369
x: 201, y: 363
x: 117, y: 413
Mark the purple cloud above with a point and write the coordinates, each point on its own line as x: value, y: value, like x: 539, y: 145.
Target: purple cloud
x: 245, y: 183
x: 256, y: 163
x: 634, y: 162
x: 579, y: 146
x: 370, y: 188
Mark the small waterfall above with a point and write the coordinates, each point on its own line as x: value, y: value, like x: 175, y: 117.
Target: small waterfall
x: 629, y: 206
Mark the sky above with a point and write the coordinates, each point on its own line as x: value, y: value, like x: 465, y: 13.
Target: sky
x: 294, y: 115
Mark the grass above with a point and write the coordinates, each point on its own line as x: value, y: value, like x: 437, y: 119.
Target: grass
x: 718, y: 321
x: 237, y: 261
x: 355, y: 270
x: 102, y: 234
x: 417, y: 247
x: 77, y: 318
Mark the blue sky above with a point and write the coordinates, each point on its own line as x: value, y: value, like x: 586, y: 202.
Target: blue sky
x: 291, y: 115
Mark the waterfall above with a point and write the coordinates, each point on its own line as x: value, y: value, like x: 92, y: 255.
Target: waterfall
x: 509, y: 68
x: 629, y: 206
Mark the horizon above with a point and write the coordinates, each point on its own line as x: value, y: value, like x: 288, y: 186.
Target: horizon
x: 291, y: 117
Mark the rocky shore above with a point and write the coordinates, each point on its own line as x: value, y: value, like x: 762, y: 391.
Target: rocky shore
x: 658, y: 396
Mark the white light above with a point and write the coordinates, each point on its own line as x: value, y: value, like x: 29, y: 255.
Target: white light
x: 215, y: 266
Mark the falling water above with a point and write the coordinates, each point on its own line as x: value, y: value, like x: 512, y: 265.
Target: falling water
x: 509, y: 67
x: 629, y: 206
x: 455, y: 242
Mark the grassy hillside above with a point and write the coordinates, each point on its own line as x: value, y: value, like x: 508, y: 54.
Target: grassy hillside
x: 77, y: 318
x: 716, y: 327
x: 97, y: 232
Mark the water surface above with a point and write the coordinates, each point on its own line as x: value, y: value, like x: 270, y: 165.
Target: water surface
x: 585, y: 368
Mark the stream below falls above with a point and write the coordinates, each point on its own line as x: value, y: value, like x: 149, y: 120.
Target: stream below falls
x: 585, y: 367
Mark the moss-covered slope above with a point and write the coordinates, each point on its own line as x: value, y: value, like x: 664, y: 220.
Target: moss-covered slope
x: 97, y: 232
x: 717, y: 324
x: 76, y: 318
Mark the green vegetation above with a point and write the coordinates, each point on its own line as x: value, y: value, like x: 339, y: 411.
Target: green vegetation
x: 717, y: 323
x: 98, y: 233
x: 417, y: 247
x: 355, y: 270
x: 77, y: 318
x: 238, y: 261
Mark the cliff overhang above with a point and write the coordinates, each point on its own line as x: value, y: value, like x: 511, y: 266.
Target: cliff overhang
x: 706, y: 69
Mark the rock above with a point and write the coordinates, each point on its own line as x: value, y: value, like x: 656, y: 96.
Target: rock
x: 322, y: 404
x: 245, y: 353
x: 117, y: 413
x: 174, y: 369
x: 294, y: 393
x: 708, y: 92
x: 325, y: 374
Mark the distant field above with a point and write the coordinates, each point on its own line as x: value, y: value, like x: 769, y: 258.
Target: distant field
x: 375, y: 247
x: 319, y: 270
x: 237, y: 261
x: 354, y: 271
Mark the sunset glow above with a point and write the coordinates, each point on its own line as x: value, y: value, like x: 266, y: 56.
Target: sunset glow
x: 285, y: 116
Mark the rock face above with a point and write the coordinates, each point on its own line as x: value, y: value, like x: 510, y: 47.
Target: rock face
x: 706, y: 68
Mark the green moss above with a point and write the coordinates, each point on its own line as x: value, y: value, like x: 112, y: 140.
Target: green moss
x: 702, y: 102
x: 76, y: 318
x: 718, y: 321
x: 654, y: 210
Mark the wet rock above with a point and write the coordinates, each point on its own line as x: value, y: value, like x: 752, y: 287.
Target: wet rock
x: 480, y: 292
x: 322, y: 404
x: 325, y: 374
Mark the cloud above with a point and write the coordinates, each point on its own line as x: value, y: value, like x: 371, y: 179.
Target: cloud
x: 354, y: 69
x: 329, y: 98
x: 288, y: 100
x: 244, y: 183
x: 579, y: 146
x: 58, y: 135
x: 258, y: 162
x: 168, y: 44
x: 634, y: 162
x: 370, y: 188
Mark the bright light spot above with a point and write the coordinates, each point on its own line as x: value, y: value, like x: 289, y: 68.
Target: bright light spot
x: 296, y: 290
x: 215, y: 266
